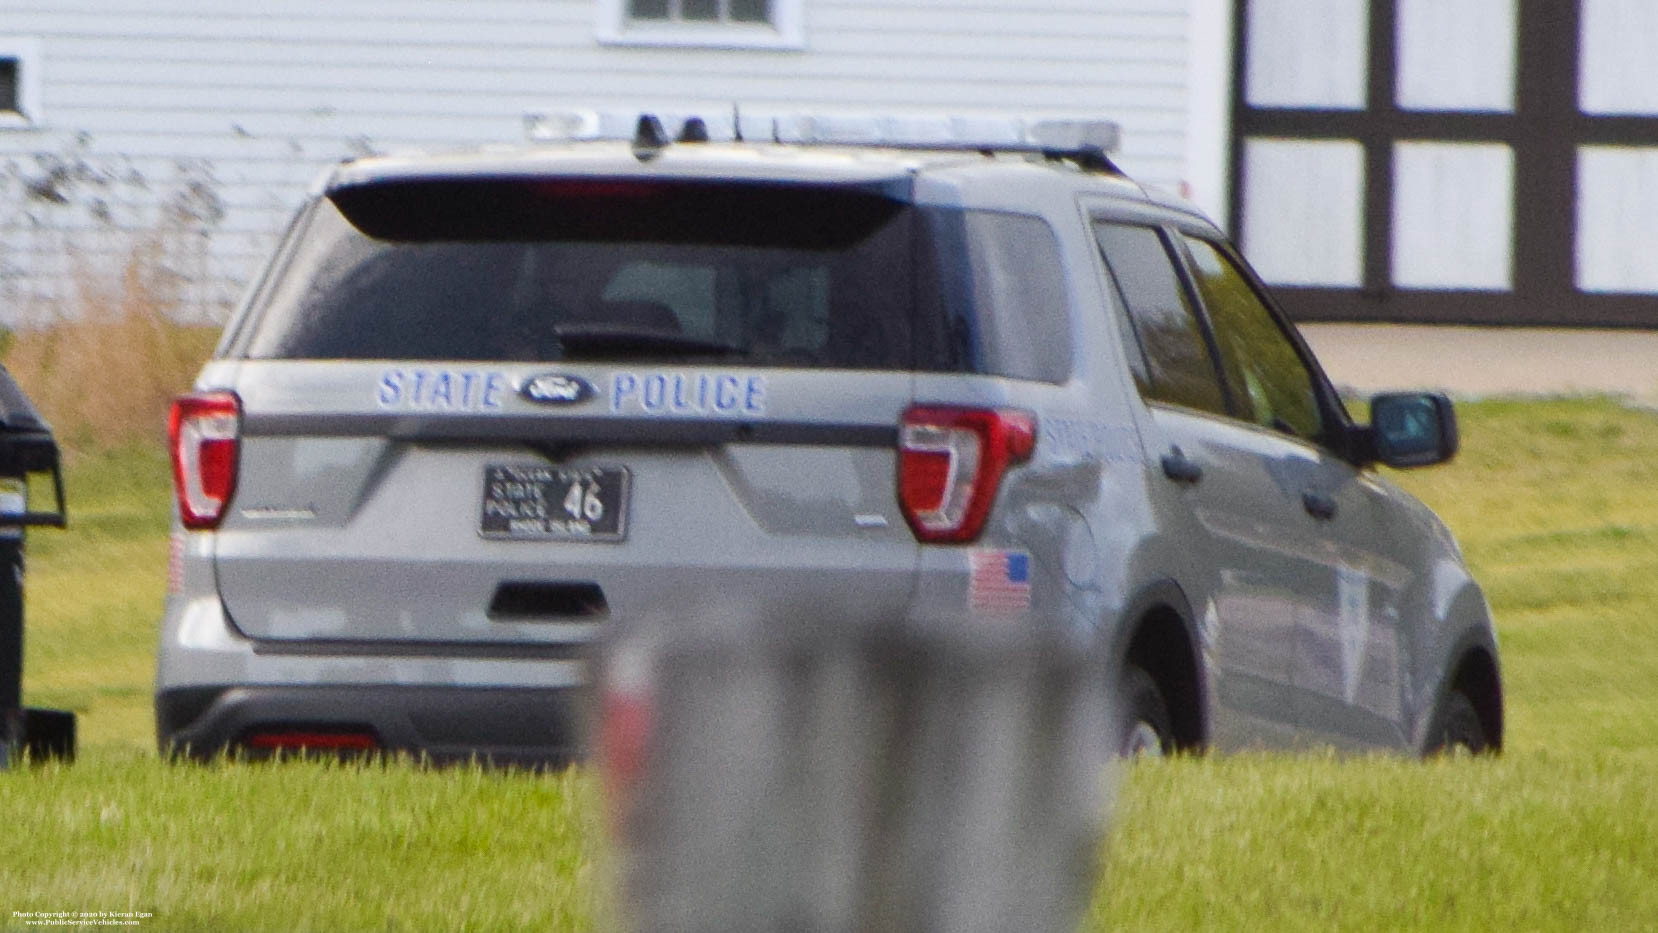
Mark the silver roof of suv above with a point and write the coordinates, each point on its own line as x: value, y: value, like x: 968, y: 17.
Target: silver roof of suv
x: 799, y: 149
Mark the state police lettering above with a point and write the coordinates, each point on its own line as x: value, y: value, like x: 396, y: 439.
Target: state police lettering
x: 441, y: 389
x: 516, y: 493
x: 688, y: 393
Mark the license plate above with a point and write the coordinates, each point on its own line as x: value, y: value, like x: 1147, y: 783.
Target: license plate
x: 538, y: 502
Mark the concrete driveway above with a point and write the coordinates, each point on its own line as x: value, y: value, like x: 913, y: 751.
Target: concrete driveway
x: 1471, y: 362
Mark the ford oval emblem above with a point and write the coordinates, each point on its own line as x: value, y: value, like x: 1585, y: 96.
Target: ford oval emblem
x: 556, y: 389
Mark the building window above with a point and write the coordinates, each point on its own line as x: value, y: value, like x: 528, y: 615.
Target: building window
x: 700, y: 11
x: 761, y: 24
x: 9, y: 100
x: 19, y: 82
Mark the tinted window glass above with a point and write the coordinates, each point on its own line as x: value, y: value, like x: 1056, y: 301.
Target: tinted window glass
x: 765, y: 275
x: 538, y: 270
x: 1268, y: 376
x: 1179, y: 366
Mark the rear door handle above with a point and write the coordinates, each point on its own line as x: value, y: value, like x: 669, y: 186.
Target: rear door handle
x: 1180, y: 468
x: 1318, y: 505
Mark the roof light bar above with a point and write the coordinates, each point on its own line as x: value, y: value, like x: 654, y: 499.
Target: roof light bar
x: 620, y: 125
x: 1090, y: 138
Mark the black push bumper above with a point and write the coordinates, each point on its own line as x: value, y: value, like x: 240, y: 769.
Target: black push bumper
x: 531, y: 727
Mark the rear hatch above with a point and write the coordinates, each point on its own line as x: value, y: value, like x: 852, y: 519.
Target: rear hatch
x: 506, y: 410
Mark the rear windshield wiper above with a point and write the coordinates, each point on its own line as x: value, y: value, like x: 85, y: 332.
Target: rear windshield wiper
x: 587, y: 339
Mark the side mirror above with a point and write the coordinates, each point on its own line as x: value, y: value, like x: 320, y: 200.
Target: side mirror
x: 1412, y: 429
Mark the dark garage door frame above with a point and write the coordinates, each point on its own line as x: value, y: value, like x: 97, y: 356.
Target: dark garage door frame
x: 1544, y: 133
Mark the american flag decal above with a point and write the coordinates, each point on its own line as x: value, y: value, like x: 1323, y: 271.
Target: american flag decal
x: 998, y: 581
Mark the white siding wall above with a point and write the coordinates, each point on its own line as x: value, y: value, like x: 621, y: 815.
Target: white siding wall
x: 143, y: 98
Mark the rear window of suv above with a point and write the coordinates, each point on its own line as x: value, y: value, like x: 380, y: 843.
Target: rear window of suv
x: 596, y: 269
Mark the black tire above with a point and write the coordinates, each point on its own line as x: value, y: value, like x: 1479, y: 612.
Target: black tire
x: 1144, y: 727
x: 1457, y: 729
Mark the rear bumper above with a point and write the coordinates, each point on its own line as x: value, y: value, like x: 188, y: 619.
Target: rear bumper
x: 215, y: 688
x: 501, y: 725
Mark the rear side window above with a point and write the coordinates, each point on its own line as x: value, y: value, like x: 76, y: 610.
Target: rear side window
x: 763, y: 275
x: 1179, y: 367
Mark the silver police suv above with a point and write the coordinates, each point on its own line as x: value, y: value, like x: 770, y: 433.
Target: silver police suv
x: 482, y: 408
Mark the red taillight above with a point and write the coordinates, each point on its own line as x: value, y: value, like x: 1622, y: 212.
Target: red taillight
x: 204, y: 434
x: 950, y: 463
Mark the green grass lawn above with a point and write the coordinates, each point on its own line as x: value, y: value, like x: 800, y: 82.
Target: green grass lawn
x: 1556, y: 504
x: 301, y: 846
x: 93, y: 597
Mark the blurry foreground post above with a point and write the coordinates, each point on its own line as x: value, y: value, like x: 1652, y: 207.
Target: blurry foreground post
x: 778, y: 773
x: 26, y: 446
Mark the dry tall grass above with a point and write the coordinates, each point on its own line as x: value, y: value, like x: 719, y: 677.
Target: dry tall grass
x: 106, y: 370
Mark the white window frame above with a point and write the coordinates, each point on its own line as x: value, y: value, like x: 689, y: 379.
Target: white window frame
x: 25, y: 50
x: 787, y: 30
